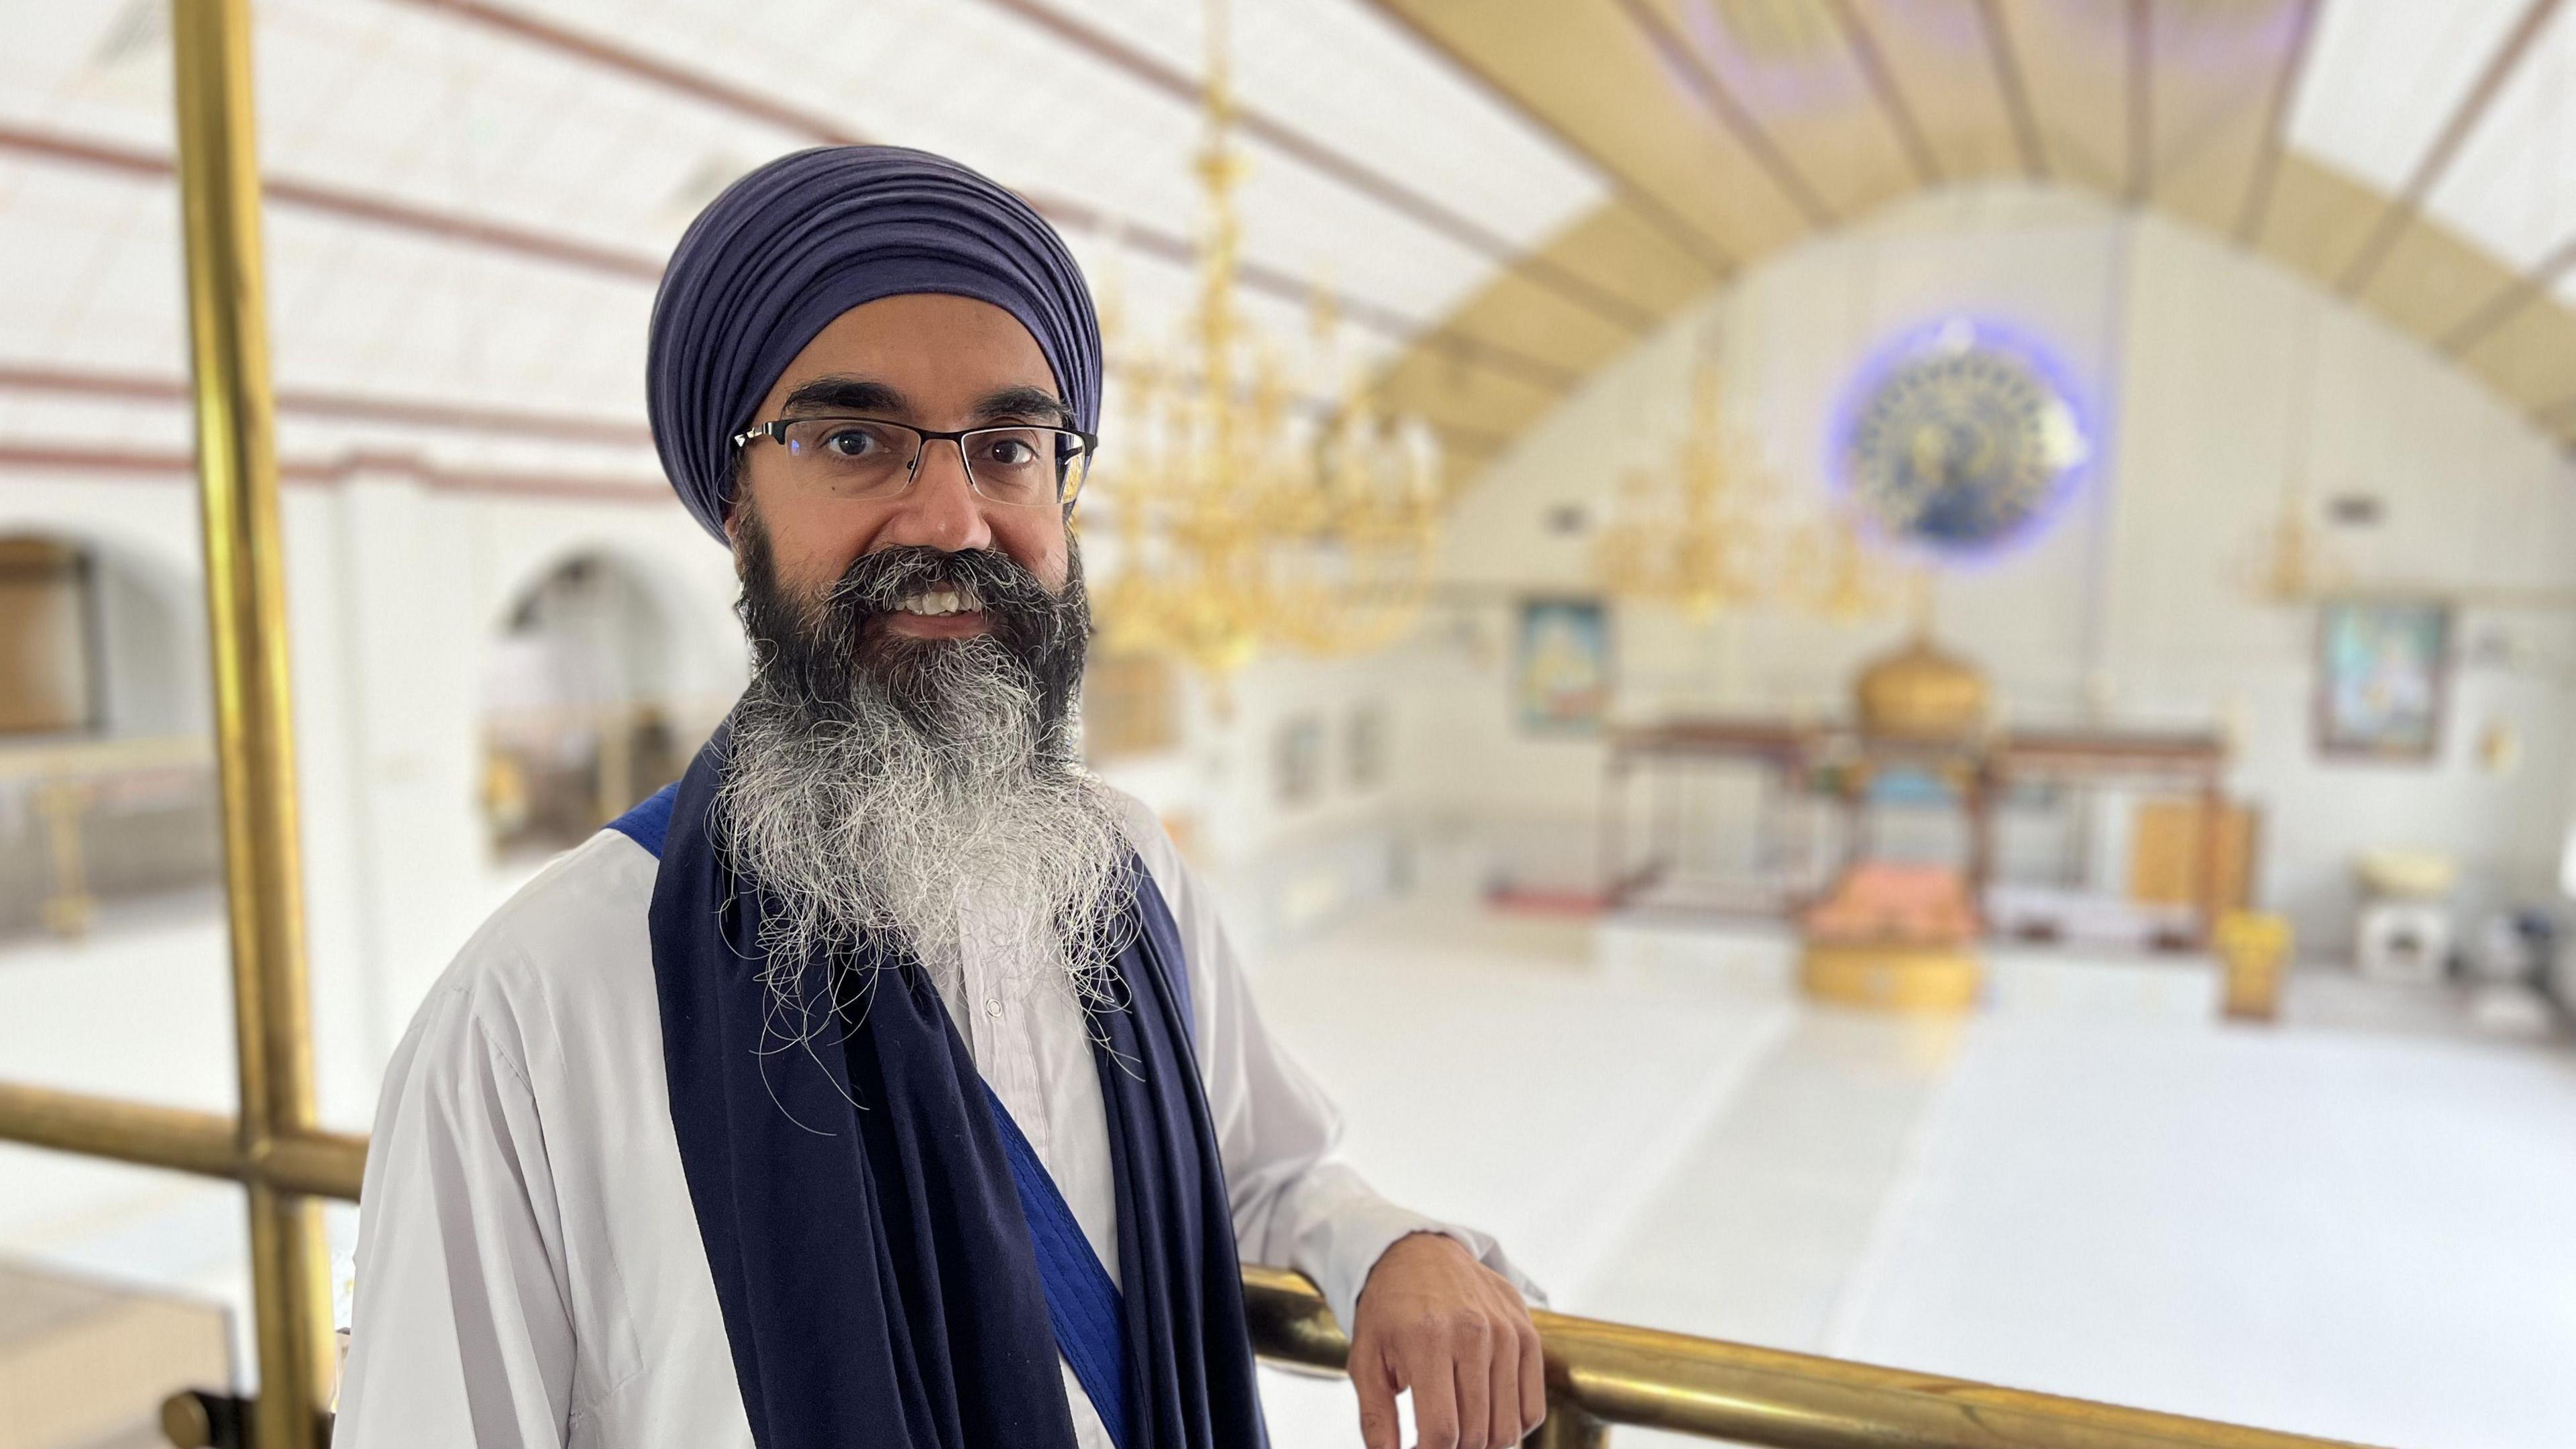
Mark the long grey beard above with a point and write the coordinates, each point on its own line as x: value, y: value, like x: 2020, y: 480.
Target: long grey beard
x: 967, y: 826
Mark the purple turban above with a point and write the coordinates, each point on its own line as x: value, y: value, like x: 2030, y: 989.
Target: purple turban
x: 808, y: 237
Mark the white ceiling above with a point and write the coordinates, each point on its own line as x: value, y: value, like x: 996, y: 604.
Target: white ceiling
x: 399, y: 100
x: 402, y: 101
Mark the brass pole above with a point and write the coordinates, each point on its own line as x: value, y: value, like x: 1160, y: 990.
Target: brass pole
x: 254, y: 726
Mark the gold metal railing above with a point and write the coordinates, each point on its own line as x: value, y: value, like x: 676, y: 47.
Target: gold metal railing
x: 1599, y: 1374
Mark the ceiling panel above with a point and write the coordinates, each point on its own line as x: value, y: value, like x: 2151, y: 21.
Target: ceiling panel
x: 1341, y: 74
x: 2217, y: 68
x: 2384, y: 77
x: 1938, y: 57
x: 2513, y: 186
x: 2075, y: 53
x: 94, y: 268
x: 2433, y: 278
x: 104, y: 68
x: 2532, y: 359
x: 1790, y: 69
x: 1588, y: 69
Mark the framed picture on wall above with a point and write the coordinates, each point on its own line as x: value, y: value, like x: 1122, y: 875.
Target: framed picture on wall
x: 1561, y: 670
x: 2383, y: 677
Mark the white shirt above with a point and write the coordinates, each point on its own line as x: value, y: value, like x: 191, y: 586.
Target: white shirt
x: 529, y: 1268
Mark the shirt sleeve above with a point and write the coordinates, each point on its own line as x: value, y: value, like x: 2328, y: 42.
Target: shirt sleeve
x: 1296, y: 1203
x: 461, y: 1330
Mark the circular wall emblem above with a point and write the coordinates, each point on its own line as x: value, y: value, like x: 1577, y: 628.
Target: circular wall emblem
x: 1959, y: 441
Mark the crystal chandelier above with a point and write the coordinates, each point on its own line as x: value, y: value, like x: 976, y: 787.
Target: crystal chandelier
x: 1688, y: 540
x: 1245, y: 514
x: 1829, y: 571
x: 1705, y: 538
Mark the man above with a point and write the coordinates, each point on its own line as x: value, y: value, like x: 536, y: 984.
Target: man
x: 889, y: 1080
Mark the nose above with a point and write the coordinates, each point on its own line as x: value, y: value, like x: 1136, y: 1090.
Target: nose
x: 939, y: 510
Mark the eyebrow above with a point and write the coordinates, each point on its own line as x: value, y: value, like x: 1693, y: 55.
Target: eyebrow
x: 1023, y: 402
x: 840, y: 393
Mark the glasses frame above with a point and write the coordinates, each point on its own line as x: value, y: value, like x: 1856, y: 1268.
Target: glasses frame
x: 775, y: 430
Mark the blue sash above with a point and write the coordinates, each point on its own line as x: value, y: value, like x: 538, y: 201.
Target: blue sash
x: 882, y: 1276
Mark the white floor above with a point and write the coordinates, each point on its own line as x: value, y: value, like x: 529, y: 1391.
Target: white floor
x: 2361, y: 1223
x: 2092, y: 1188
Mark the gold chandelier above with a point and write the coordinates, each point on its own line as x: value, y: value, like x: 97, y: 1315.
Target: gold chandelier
x: 2289, y: 562
x: 1705, y: 537
x: 1245, y: 514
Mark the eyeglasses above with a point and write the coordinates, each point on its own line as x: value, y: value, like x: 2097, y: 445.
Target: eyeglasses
x: 855, y: 458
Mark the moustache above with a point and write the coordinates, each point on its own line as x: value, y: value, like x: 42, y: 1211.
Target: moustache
x: 832, y: 650
x: 983, y: 578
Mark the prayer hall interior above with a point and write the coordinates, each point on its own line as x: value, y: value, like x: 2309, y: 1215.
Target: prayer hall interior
x: 1886, y: 679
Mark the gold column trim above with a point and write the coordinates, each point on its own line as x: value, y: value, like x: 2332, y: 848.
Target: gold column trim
x: 254, y: 720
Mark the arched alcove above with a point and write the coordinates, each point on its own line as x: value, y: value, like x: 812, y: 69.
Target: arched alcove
x: 589, y: 703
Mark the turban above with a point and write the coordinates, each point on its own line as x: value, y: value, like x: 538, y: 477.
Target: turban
x: 806, y: 238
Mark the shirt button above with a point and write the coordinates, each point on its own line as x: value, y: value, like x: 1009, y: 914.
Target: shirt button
x: 993, y: 1007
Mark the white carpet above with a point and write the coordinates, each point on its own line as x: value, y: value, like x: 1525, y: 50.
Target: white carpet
x: 1492, y: 1074
x: 2371, y: 1238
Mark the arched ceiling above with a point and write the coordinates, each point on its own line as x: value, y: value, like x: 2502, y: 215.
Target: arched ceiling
x: 470, y: 199
x: 2419, y: 159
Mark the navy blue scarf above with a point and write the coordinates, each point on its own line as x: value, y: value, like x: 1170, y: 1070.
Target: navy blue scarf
x: 875, y: 1269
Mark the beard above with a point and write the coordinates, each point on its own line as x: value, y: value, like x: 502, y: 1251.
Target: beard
x: 930, y: 791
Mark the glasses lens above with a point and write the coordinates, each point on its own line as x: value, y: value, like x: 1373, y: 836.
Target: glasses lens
x: 1024, y: 467
x: 1076, y: 462
x: 850, y: 458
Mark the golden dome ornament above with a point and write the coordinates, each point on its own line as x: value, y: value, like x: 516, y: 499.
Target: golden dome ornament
x: 1919, y: 691
x: 1922, y: 692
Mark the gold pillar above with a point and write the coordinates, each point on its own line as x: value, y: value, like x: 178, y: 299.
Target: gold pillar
x: 254, y: 725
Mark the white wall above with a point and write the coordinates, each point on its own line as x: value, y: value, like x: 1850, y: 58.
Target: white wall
x: 151, y: 622
x: 1282, y: 869
x: 396, y: 594
x: 2186, y: 354
x: 2474, y: 500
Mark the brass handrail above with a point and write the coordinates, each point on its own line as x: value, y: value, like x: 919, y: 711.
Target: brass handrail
x: 1615, y: 1373
x: 1598, y: 1373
